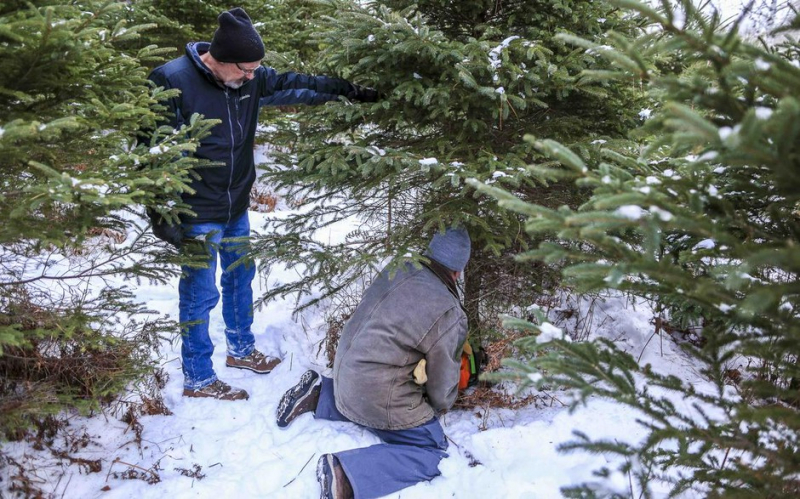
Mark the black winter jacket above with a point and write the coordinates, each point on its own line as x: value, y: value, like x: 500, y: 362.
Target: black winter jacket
x: 222, y: 193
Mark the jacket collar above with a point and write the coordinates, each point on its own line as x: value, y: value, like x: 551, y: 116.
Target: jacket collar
x: 444, y: 275
x: 193, y: 51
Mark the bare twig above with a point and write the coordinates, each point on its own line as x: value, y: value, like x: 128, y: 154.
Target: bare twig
x: 467, y: 454
x: 117, y: 460
x: 657, y: 331
x: 67, y: 485
x: 301, y: 470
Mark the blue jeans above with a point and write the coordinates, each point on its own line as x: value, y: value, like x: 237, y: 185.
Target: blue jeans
x: 405, y: 458
x: 199, y: 295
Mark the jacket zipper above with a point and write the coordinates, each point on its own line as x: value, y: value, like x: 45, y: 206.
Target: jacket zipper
x: 233, y: 143
x: 236, y: 100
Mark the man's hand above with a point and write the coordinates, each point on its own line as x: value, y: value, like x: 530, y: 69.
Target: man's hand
x: 420, y: 374
x: 358, y: 93
x: 173, y: 234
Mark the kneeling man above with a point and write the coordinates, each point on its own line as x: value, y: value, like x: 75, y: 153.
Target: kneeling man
x: 380, y: 382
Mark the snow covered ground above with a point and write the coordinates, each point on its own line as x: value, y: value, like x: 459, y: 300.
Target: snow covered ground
x: 216, y: 449
x: 243, y: 454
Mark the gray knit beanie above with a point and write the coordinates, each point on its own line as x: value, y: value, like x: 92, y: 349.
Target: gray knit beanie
x: 236, y: 40
x: 450, y: 248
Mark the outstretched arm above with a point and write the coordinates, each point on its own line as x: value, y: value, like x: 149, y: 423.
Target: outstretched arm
x: 281, y: 89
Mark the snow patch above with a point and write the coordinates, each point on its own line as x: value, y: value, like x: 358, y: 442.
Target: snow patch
x: 727, y: 132
x: 550, y: 332
x: 708, y: 156
x: 599, y: 49
x: 763, y: 113
x: 664, y: 215
x: 631, y: 212
x: 494, y: 54
x: 705, y: 244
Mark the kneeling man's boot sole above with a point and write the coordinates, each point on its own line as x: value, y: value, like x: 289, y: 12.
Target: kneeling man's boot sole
x: 300, y: 399
x: 332, y: 480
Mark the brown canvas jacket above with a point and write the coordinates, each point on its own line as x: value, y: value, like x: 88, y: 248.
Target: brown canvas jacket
x: 399, y: 322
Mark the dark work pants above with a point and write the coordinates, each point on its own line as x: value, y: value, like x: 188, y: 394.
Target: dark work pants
x: 405, y: 458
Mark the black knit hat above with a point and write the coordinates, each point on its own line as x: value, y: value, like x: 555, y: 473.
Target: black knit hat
x: 236, y: 40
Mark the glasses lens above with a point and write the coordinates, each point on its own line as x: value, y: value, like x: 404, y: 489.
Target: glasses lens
x: 246, y: 70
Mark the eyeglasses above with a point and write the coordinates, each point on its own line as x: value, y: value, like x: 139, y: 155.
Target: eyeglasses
x: 245, y: 70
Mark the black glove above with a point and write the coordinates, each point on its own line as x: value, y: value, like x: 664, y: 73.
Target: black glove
x: 173, y: 234
x: 362, y: 94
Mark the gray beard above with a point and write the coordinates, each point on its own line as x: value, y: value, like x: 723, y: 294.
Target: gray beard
x: 233, y: 84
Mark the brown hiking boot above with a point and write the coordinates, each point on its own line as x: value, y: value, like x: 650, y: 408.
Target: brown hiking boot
x: 217, y: 390
x: 332, y: 480
x: 299, y: 399
x: 256, y: 362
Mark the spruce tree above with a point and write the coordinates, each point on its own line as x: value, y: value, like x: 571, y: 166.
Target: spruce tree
x: 74, y: 175
x: 281, y: 23
x: 704, y: 222
x: 461, y: 83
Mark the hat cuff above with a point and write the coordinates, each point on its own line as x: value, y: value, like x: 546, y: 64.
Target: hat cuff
x: 446, y: 264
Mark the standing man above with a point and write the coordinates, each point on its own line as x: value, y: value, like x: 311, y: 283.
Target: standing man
x: 225, y: 80
x: 396, y: 367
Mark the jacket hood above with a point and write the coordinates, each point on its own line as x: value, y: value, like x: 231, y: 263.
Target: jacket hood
x: 193, y: 51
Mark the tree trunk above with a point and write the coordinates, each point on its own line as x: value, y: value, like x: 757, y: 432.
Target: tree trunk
x: 473, y: 279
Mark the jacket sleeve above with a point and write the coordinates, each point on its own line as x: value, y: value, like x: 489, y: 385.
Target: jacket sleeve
x: 282, y: 89
x: 172, y: 116
x: 444, y: 359
x: 172, y: 234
